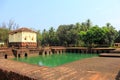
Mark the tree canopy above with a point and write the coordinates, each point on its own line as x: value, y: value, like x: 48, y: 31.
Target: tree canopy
x: 78, y: 34
x: 83, y: 34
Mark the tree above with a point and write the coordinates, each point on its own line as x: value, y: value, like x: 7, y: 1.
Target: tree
x: 117, y: 40
x: 52, y: 38
x: 5, y: 28
x: 82, y: 36
x: 67, y: 35
x: 110, y: 34
x: 12, y: 25
x: 39, y: 38
x: 92, y: 37
x: 45, y: 35
x: 4, y: 35
x: 86, y: 25
x: 78, y: 27
x: 61, y: 33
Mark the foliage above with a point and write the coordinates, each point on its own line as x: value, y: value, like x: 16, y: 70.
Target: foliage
x: 5, y: 28
x: 67, y: 35
x: 44, y: 40
x: 79, y: 34
x: 4, y: 35
x: 110, y: 34
x: 39, y: 38
x: 52, y: 38
x: 117, y: 40
x: 93, y: 36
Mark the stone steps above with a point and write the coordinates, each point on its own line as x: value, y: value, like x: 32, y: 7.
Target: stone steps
x: 88, y: 69
x: 66, y: 73
x: 50, y: 74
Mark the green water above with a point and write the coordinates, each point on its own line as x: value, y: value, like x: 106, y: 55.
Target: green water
x: 55, y: 59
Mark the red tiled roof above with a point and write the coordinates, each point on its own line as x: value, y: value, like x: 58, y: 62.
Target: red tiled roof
x: 22, y: 30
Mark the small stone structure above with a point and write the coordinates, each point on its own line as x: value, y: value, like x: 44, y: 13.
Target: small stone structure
x: 23, y: 37
x: 20, y: 52
x: 22, y: 41
x: 58, y: 49
x: 117, y: 45
x: 5, y: 52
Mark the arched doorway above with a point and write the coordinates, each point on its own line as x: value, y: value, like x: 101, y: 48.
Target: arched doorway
x: 26, y: 54
x: 5, y: 56
x: 19, y: 55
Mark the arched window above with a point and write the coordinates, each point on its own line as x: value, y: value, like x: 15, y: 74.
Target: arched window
x: 25, y: 38
x: 32, y: 38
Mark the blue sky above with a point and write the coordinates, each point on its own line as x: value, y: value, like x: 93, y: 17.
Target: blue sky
x: 42, y: 14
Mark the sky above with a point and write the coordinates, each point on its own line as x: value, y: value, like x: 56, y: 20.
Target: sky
x: 43, y: 14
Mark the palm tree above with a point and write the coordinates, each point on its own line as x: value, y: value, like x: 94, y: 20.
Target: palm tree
x: 88, y: 24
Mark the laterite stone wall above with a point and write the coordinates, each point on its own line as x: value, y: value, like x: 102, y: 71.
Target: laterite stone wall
x: 9, y: 75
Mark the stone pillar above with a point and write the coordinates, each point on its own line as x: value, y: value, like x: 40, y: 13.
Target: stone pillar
x: 61, y: 51
x: 43, y: 53
x: 47, y: 52
x: 50, y: 52
x: 57, y: 52
x: 19, y: 55
x: 82, y: 51
x: 94, y: 51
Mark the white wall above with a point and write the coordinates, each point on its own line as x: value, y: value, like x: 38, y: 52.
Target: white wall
x: 23, y: 37
x: 2, y: 43
x: 28, y: 37
x: 17, y: 37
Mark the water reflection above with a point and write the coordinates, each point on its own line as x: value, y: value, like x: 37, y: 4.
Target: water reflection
x: 40, y: 63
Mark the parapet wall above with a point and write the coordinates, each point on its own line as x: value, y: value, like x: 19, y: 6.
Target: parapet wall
x: 118, y: 76
x: 9, y: 75
x: 13, y: 70
x: 15, y: 52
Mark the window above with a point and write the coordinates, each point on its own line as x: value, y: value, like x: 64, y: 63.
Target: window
x: 32, y: 38
x: 25, y: 38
